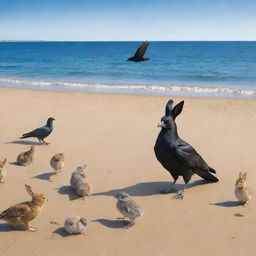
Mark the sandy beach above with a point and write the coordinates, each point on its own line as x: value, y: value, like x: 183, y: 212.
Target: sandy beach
x: 115, y: 135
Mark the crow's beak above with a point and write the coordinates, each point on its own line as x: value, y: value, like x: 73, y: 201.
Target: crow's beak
x: 161, y: 124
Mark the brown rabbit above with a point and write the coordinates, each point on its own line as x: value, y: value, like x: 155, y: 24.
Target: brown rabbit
x: 27, y: 157
x: 2, y: 171
x: 243, y: 194
x: 21, y: 214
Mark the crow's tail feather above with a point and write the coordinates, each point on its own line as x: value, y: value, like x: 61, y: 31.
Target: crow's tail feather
x: 211, y: 170
x: 207, y: 176
x: 26, y: 135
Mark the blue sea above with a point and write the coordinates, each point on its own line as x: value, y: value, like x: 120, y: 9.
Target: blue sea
x: 225, y: 69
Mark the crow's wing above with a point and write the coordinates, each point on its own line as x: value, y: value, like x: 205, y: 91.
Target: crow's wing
x: 188, y: 156
x: 141, y: 50
x: 39, y: 132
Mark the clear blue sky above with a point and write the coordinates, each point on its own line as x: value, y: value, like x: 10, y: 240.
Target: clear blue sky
x: 94, y: 20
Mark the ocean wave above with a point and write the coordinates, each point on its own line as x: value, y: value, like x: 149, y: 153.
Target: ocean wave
x: 135, y: 87
x: 8, y: 66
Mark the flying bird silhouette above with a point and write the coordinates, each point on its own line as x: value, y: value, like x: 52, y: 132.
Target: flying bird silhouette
x: 138, y: 56
x: 176, y: 155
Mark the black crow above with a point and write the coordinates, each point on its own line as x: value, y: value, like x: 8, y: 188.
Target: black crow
x: 138, y: 56
x: 177, y: 156
x: 42, y: 132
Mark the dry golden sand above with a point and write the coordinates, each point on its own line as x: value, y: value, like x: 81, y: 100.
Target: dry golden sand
x: 115, y: 135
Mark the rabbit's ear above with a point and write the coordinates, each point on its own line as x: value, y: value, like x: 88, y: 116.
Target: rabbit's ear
x: 177, y: 109
x: 240, y: 175
x: 4, y: 162
x: 29, y: 190
x: 168, y: 108
x: 244, y: 176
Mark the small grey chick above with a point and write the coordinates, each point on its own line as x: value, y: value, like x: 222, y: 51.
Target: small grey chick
x: 78, y: 176
x: 127, y: 207
x: 75, y: 225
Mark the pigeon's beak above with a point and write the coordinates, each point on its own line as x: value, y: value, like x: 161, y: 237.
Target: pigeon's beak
x: 161, y: 124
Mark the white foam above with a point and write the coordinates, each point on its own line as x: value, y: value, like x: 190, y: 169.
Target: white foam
x: 153, y: 88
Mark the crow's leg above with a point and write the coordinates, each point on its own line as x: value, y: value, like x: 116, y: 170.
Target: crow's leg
x: 186, y: 179
x: 170, y: 189
x: 180, y: 195
x: 44, y: 142
x: 39, y: 141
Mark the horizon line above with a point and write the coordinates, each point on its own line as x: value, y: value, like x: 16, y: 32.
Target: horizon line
x: 7, y: 40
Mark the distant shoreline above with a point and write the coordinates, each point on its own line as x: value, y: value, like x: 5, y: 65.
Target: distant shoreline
x: 91, y: 41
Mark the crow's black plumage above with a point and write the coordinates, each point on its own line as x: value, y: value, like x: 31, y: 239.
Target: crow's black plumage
x: 177, y: 156
x: 42, y: 132
x: 139, y: 54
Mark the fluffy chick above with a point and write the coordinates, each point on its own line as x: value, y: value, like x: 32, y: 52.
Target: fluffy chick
x: 128, y: 208
x: 75, y: 225
x: 57, y: 162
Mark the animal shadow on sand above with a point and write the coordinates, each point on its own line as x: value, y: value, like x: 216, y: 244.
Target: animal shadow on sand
x: 45, y: 176
x: 5, y: 227
x: 228, y: 204
x: 23, y: 142
x: 112, y: 223
x: 14, y: 163
x: 68, y: 190
x: 61, y: 232
x: 150, y: 188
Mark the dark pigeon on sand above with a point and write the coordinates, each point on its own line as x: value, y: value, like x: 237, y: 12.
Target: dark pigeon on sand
x: 176, y: 155
x: 139, y: 54
x: 42, y: 132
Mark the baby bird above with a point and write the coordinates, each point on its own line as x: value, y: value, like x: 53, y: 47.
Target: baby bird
x: 127, y: 207
x: 21, y: 214
x: 78, y: 174
x: 242, y: 192
x: 84, y: 189
x: 57, y: 162
x: 75, y: 225
x: 78, y: 182
x: 3, y: 172
x: 27, y: 157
